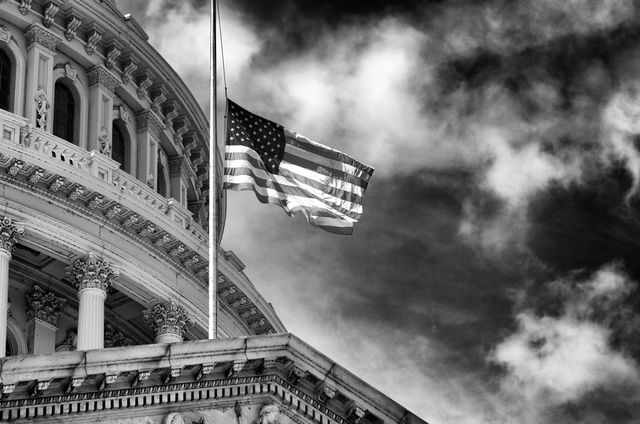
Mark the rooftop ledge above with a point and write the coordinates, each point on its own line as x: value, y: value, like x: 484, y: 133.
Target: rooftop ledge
x: 281, y: 366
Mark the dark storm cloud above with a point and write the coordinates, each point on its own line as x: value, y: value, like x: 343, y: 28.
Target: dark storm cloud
x: 414, y: 264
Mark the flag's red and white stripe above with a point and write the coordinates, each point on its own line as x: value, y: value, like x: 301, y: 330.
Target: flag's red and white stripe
x: 327, y: 186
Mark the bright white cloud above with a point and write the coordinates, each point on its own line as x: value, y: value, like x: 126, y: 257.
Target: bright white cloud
x: 621, y: 119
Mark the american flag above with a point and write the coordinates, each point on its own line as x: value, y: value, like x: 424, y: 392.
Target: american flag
x: 286, y: 169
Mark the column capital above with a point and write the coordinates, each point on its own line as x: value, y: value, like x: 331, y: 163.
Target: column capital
x: 9, y: 234
x: 92, y: 272
x: 100, y: 75
x: 113, y: 337
x: 44, y: 305
x: 39, y: 35
x: 168, y: 318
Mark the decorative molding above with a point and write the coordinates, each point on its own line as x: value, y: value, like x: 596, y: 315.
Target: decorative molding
x: 180, y: 127
x: 268, y: 414
x: 93, y: 39
x: 140, y: 377
x: 36, y: 176
x: 104, y: 147
x: 69, y: 72
x: 355, y: 413
x: 178, y: 166
x: 37, y: 34
x: 158, y: 96
x: 42, y: 104
x: 191, y: 144
x: 122, y: 111
x: 194, y: 390
x: 24, y: 7
x: 130, y: 220
x: 76, y: 192
x: 57, y: 184
x: 174, y: 418
x: 40, y: 387
x: 267, y: 365
x: 168, y: 318
x: 27, y: 135
x: 325, y: 393
x: 113, y: 337
x: 44, y: 305
x: 147, y: 120
x: 128, y: 68
x: 95, y: 202
x: 113, y: 52
x: 113, y: 211
x: 9, y: 234
x: 74, y: 385
x: 296, y: 374
x: 235, y: 368
x: 49, y: 13
x: 163, y: 240
x: 177, y: 250
x: 170, y: 113
x: 73, y: 22
x: 100, y: 75
x: 147, y: 230
x: 92, y: 271
x: 5, y: 35
x: 144, y: 82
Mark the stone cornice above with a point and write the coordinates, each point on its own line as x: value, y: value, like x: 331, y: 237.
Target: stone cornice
x: 100, y: 75
x: 262, y: 364
x: 37, y: 34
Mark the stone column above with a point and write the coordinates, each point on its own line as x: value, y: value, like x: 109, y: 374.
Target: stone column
x: 179, y: 174
x: 43, y: 311
x: 41, y: 49
x: 148, y: 135
x: 9, y: 234
x: 168, y: 321
x: 102, y: 85
x: 92, y: 275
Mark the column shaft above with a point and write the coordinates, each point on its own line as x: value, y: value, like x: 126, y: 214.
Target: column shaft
x: 91, y: 318
x: 4, y: 299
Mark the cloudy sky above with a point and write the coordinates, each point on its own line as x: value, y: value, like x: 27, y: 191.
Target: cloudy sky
x: 493, y: 277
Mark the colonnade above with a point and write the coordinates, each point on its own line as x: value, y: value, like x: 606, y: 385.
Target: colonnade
x: 92, y: 275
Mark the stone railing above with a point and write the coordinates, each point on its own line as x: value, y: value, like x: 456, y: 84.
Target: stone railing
x: 98, y: 173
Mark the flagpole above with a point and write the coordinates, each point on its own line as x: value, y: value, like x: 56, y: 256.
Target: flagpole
x: 213, y: 207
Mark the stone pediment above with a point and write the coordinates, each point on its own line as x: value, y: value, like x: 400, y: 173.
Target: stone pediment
x: 207, y: 381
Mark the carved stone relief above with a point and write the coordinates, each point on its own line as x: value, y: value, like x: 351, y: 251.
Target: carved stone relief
x: 42, y: 104
x: 268, y: 414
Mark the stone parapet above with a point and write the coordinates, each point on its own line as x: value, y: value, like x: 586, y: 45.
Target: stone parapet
x: 95, y: 174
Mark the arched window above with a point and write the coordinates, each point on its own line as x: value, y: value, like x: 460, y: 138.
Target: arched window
x: 5, y: 81
x: 64, y: 113
x: 117, y: 146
